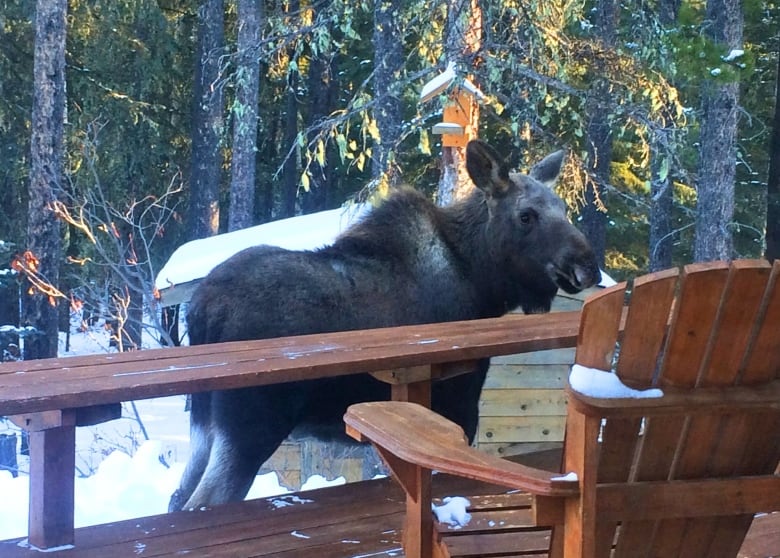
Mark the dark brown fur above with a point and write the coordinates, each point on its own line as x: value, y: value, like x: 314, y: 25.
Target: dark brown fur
x: 507, y: 245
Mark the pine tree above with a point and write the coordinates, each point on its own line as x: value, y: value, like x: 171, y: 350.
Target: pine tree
x: 242, y: 177
x: 207, y: 122
x: 46, y: 175
x: 718, y: 144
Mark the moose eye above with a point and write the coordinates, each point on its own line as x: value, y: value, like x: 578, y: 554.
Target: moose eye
x: 526, y: 218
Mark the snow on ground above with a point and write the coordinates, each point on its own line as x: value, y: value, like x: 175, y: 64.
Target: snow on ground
x: 123, y: 487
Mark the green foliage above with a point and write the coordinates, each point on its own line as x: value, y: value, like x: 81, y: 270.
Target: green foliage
x: 131, y: 65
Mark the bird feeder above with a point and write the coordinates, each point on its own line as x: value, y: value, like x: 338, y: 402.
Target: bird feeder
x: 460, y: 110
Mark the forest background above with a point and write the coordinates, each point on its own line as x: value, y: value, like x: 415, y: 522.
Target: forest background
x: 177, y: 119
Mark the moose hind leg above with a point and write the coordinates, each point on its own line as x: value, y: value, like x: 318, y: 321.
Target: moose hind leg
x: 248, y: 426
x: 200, y: 449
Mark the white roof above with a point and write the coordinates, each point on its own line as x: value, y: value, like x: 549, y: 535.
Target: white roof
x: 443, y: 81
x: 195, y: 259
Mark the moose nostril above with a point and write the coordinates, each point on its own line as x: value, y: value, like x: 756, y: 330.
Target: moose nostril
x: 580, y: 276
x: 586, y: 276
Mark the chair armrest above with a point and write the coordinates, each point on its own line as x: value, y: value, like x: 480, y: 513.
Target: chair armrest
x: 679, y: 402
x: 423, y: 438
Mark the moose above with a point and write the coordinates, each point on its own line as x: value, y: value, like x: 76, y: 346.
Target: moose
x: 508, y: 244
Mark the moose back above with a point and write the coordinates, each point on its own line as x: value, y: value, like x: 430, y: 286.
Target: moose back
x: 507, y: 245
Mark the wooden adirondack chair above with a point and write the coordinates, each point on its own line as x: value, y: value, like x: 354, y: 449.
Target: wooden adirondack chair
x: 677, y: 476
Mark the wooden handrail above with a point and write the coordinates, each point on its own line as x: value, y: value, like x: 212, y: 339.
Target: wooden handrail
x: 51, y: 397
x: 72, y: 382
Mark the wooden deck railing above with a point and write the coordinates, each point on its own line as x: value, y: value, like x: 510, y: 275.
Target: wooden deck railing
x: 51, y: 397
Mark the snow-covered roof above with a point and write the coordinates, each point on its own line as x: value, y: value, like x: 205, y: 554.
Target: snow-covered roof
x: 443, y: 81
x: 195, y: 259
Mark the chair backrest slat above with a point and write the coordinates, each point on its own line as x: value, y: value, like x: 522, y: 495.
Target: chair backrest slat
x: 741, y: 304
x: 696, y: 308
x: 646, y: 327
x: 723, y: 329
x: 727, y: 438
x: 643, y: 336
x: 762, y: 362
x: 599, y: 326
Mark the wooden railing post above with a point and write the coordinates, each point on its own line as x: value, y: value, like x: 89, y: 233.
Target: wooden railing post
x: 408, y: 384
x: 52, y: 468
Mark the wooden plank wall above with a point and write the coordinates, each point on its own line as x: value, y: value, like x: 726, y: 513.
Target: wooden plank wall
x: 523, y: 406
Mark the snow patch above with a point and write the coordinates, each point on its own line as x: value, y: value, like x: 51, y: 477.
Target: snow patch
x: 453, y: 511
x: 601, y: 383
x: 571, y: 476
x: 318, y: 481
x: 733, y: 55
x: 26, y: 544
x: 195, y: 259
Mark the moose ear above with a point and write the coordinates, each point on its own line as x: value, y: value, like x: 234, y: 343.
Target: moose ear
x: 487, y: 170
x: 547, y: 170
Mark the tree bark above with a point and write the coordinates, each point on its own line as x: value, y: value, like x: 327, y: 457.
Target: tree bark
x: 323, y: 95
x: 661, y: 180
x: 464, y: 39
x: 291, y: 170
x: 388, y: 60
x: 599, y: 138
x: 207, y: 122
x: 773, y: 183
x: 242, y: 178
x: 717, y: 152
x: 291, y: 176
x: 46, y: 175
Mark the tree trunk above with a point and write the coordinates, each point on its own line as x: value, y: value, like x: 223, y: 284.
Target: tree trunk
x: 291, y: 174
x: 46, y: 174
x: 388, y: 60
x: 464, y: 39
x: 242, y: 178
x: 773, y: 183
x: 207, y: 122
x: 599, y: 138
x: 717, y: 152
x: 661, y: 198
x: 661, y: 181
x: 323, y: 95
x: 594, y: 215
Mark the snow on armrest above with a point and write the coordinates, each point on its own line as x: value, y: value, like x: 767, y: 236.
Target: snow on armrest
x: 592, y: 382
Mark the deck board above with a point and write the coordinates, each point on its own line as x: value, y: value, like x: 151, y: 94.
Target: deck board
x: 357, y: 520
